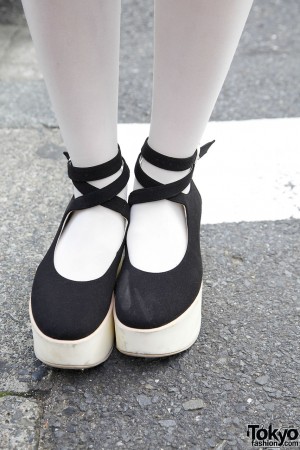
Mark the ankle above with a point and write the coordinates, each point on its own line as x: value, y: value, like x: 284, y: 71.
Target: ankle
x: 104, y: 182
x: 163, y: 168
x: 162, y: 175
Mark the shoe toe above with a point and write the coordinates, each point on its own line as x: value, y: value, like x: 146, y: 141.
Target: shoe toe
x: 147, y: 300
x: 69, y: 310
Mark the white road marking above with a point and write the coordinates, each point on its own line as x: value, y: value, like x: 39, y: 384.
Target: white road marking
x: 251, y: 173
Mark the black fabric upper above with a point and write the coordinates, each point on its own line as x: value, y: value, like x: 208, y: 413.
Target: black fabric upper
x: 146, y: 300
x: 67, y: 309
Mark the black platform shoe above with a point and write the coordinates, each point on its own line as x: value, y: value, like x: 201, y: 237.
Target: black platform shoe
x: 72, y: 321
x: 159, y: 314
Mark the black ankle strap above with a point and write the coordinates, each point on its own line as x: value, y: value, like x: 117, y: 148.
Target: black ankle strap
x: 94, y: 172
x: 152, y: 189
x: 106, y: 196
x: 170, y: 163
x: 167, y: 162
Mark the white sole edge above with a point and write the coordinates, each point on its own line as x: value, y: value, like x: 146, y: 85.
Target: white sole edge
x: 76, y: 354
x: 172, y: 338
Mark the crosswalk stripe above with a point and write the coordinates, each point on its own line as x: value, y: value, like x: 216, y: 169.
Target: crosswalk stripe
x: 251, y: 173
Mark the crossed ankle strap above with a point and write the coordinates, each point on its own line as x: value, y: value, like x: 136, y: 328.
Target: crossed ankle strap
x: 93, y: 196
x: 95, y: 172
x: 152, y: 189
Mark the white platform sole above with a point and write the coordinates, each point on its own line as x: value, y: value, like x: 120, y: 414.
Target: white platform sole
x: 77, y: 354
x: 175, y: 337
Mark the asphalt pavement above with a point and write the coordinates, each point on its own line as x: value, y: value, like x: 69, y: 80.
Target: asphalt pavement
x: 244, y: 368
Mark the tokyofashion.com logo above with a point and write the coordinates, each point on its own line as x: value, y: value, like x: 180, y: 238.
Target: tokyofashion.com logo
x: 273, y: 437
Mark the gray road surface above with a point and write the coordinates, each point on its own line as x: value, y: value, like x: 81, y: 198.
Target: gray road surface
x: 244, y: 367
x: 263, y: 80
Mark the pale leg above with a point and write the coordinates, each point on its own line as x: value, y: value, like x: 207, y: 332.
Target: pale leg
x: 77, y: 44
x: 195, y: 41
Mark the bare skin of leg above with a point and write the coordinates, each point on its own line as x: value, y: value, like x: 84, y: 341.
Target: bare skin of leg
x: 195, y: 41
x: 77, y: 45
